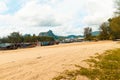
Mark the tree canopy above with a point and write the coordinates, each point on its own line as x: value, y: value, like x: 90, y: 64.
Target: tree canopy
x: 87, y: 33
x: 115, y: 26
x: 16, y: 37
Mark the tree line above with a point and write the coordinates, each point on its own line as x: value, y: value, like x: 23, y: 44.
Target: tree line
x: 16, y: 37
x: 109, y: 30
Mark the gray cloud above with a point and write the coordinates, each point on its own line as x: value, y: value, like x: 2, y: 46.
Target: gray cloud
x: 49, y: 22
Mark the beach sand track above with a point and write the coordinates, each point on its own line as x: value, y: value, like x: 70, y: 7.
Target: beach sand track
x: 43, y: 63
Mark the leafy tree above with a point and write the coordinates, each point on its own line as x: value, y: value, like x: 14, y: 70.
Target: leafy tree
x: 34, y: 38
x: 15, y: 37
x: 27, y: 38
x: 4, y: 40
x: 115, y: 27
x: 88, y: 33
x: 45, y: 38
x: 115, y: 22
x: 105, y: 31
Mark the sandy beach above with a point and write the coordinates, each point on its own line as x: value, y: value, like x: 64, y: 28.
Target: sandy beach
x: 43, y: 63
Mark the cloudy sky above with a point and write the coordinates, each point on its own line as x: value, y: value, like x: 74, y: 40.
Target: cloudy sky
x: 64, y: 17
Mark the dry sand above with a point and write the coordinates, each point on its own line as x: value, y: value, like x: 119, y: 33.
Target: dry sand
x: 43, y: 63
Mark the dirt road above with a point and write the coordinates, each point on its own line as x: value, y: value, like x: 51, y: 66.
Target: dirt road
x: 43, y: 63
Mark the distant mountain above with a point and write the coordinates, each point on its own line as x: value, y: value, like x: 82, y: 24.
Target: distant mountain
x: 73, y: 36
x: 51, y: 34
x: 95, y: 33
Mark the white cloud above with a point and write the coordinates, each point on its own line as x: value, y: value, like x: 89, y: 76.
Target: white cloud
x: 98, y: 11
x: 3, y: 7
x: 35, y: 15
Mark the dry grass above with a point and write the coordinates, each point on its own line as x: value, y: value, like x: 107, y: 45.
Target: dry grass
x: 104, y: 66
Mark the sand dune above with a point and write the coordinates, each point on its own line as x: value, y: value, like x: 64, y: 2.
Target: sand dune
x: 43, y: 63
